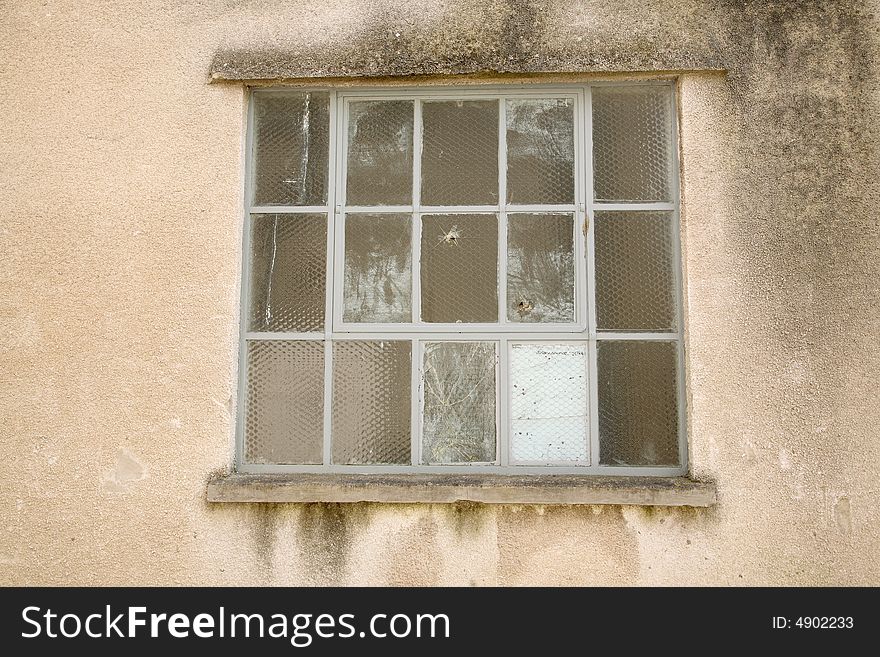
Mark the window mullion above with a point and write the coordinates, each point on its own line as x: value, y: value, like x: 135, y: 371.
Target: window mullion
x: 586, y: 186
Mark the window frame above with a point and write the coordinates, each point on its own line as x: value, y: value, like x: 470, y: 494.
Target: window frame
x: 582, y: 332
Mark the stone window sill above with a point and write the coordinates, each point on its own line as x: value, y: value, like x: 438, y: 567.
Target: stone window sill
x: 450, y: 488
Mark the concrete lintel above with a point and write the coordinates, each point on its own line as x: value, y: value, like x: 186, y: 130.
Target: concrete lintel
x: 443, y: 488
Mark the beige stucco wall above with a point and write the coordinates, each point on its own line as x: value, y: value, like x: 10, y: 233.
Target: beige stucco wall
x: 120, y: 198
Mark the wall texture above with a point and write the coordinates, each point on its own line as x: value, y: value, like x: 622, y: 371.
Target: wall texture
x: 120, y: 190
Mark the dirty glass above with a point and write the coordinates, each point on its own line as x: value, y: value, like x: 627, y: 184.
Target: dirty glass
x: 459, y: 273
x: 635, y: 285
x: 548, y: 402
x: 632, y: 143
x: 380, y: 152
x: 284, y: 406
x: 460, y: 152
x: 540, y: 151
x: 638, y: 402
x: 372, y: 381
x: 458, y: 423
x: 288, y: 270
x: 540, y: 268
x: 291, y: 148
x: 377, y: 283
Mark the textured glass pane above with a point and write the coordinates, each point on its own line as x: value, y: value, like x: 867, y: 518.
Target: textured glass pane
x: 458, y: 425
x: 548, y: 402
x: 638, y: 407
x: 380, y: 153
x: 378, y: 271
x: 635, y: 285
x: 371, y: 402
x: 632, y: 144
x: 291, y: 146
x: 285, y: 402
x: 540, y: 268
x: 540, y: 151
x: 460, y: 152
x: 288, y: 269
x: 459, y: 270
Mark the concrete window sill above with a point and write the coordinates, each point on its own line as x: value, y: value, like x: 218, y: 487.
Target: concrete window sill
x: 443, y: 488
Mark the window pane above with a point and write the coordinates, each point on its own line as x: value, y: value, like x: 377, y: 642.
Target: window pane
x: 380, y: 153
x: 288, y: 269
x: 371, y: 402
x: 540, y: 268
x: 459, y: 272
x: 285, y: 402
x: 460, y: 152
x: 540, y: 151
x: 548, y: 402
x: 291, y: 147
x: 638, y: 403
x: 458, y: 424
x: 632, y: 149
x: 635, y: 284
x: 378, y: 268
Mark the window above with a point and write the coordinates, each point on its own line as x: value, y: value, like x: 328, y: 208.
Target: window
x: 462, y: 280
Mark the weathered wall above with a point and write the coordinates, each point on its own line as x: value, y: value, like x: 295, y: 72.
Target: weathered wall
x: 120, y: 191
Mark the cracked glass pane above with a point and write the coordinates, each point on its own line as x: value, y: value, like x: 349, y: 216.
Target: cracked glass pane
x: 632, y: 144
x: 378, y: 268
x: 460, y: 152
x: 284, y: 417
x: 548, y: 402
x: 459, y: 272
x: 288, y: 270
x: 635, y: 283
x: 291, y: 148
x: 458, y: 422
x: 638, y: 402
x: 540, y: 268
x: 380, y: 152
x: 540, y: 150
x: 371, y: 402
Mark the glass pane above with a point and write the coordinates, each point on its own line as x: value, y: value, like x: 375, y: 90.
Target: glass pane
x: 460, y: 152
x: 632, y: 145
x: 540, y: 268
x: 291, y: 147
x: 548, y: 402
x: 284, y: 421
x: 635, y: 284
x: 638, y: 403
x: 380, y: 153
x: 288, y: 269
x: 378, y: 268
x: 540, y: 151
x: 371, y: 402
x: 458, y: 424
x: 459, y: 270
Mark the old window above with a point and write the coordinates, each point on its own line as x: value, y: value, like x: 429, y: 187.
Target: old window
x: 462, y: 280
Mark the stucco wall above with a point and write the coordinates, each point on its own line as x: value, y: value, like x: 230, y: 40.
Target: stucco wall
x: 120, y: 190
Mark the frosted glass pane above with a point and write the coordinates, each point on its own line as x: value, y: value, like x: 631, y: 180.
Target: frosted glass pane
x: 635, y: 284
x: 460, y: 152
x: 459, y: 271
x: 378, y: 268
x: 284, y: 420
x: 638, y: 403
x: 380, y: 152
x: 288, y: 270
x: 371, y: 402
x: 458, y: 425
x: 540, y: 151
x: 540, y: 268
x: 632, y: 143
x: 548, y: 402
x: 291, y: 147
